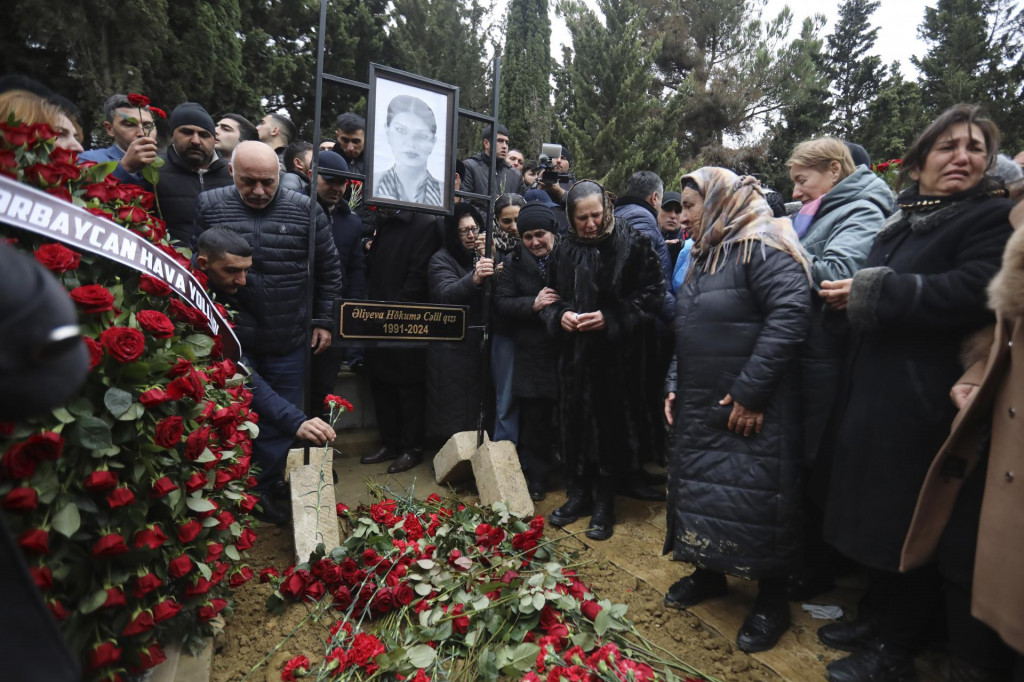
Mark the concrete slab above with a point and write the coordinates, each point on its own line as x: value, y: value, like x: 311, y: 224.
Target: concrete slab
x: 499, y: 477
x: 195, y: 668
x: 453, y: 462
x: 314, y: 517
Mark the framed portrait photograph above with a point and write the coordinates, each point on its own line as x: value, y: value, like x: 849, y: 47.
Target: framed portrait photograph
x: 411, y: 131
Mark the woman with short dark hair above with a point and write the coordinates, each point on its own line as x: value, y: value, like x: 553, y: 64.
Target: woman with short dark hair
x: 920, y: 295
x: 411, y: 133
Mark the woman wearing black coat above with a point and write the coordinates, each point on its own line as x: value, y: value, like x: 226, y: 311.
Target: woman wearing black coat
x: 921, y: 293
x: 610, y: 286
x: 733, y: 395
x: 521, y: 295
x: 456, y: 276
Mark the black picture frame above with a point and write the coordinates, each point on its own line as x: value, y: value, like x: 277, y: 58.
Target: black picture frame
x: 384, y: 171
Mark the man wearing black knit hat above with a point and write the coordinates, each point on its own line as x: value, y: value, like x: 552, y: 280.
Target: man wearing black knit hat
x: 192, y: 167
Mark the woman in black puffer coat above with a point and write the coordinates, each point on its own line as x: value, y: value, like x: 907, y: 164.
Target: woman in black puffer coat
x: 456, y: 276
x: 742, y: 315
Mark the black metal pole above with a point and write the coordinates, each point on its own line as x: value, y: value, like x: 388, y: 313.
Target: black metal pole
x: 485, y: 361
x: 311, y: 254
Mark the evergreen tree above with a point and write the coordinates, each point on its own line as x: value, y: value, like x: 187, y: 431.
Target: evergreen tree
x: 856, y: 76
x: 612, y: 122
x: 893, y: 119
x: 526, y: 75
x: 447, y: 40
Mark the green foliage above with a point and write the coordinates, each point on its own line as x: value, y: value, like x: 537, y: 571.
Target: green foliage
x: 856, y: 76
x: 526, y: 75
x: 894, y: 118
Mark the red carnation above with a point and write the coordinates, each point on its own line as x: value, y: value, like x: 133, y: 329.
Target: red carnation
x: 142, y: 622
x: 35, y: 540
x: 180, y: 566
x: 94, y: 298
x: 169, y: 431
x: 109, y: 545
x: 124, y: 344
x: 21, y: 499
x: 95, y: 351
x: 104, y: 655
x: 187, y: 532
x: 166, y: 610
x: 153, y: 286
x: 120, y: 497
x: 137, y: 100
x: 159, y: 113
x: 299, y: 664
x: 100, y: 481
x: 158, y: 324
x: 58, y: 257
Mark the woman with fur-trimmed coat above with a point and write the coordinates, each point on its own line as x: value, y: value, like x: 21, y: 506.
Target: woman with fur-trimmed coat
x: 970, y: 513
x: 610, y: 286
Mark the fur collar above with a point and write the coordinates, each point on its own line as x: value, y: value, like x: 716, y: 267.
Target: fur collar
x: 1006, y: 291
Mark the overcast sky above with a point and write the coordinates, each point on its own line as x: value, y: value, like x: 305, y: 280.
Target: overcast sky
x: 897, y: 21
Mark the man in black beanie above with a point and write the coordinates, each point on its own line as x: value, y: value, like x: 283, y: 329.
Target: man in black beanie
x: 191, y: 167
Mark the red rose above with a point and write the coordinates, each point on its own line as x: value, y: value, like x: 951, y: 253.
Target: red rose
x: 195, y: 482
x: 18, y: 462
x: 103, y: 655
x: 146, y: 584
x: 100, y: 481
x: 124, y: 344
x: 137, y: 100
x: 461, y: 624
x: 109, y: 546
x: 246, y: 539
x: 189, y: 385
x: 342, y: 598
x: 119, y: 497
x: 153, y: 286
x: 267, y: 573
x: 141, y: 622
x: 169, y: 431
x: 44, y: 446
x: 57, y: 610
x: 94, y: 298
x: 187, y: 314
x: 180, y: 566
x: 21, y: 499
x: 35, y: 540
x: 95, y: 351
x: 42, y: 576
x: 199, y: 587
x: 590, y: 609
x: 240, y: 577
x: 150, y: 537
x: 341, y: 508
x: 293, y: 587
x: 8, y: 163
x: 115, y: 598
x: 159, y: 113
x: 213, y: 551
x: 149, y: 657
x: 158, y: 324
x: 315, y: 591
x: 404, y: 594
x: 225, y: 519
x: 166, y: 610
x: 58, y: 257
x: 132, y: 214
x: 247, y: 503
x: 162, y: 486
x: 187, y: 532
x: 154, y: 397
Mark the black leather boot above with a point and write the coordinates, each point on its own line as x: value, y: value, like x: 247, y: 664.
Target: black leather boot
x: 767, y: 622
x: 382, y: 455
x: 693, y: 589
x: 578, y: 504
x: 854, y: 635
x: 881, y: 662
x: 407, y: 460
x: 602, y: 523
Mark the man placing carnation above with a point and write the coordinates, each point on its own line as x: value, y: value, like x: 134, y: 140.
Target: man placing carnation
x: 226, y: 257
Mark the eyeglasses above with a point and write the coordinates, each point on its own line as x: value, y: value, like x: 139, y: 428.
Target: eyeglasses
x: 467, y: 231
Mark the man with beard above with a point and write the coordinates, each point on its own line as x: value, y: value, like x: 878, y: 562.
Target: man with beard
x: 134, y: 135
x: 191, y: 167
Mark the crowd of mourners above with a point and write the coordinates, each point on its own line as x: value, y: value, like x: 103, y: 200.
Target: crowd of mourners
x: 826, y: 385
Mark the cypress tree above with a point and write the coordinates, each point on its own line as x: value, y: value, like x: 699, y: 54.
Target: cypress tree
x: 856, y: 76
x: 526, y: 75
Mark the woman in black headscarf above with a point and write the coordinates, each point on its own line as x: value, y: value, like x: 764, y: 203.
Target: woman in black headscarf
x: 610, y: 286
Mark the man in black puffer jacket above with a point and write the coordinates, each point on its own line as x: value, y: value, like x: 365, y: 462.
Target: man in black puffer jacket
x: 273, y: 314
x: 506, y: 178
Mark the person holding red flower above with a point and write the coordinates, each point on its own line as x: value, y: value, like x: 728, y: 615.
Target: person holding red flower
x: 133, y: 130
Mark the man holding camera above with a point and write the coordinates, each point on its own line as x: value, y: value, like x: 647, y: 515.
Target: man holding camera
x: 555, y: 177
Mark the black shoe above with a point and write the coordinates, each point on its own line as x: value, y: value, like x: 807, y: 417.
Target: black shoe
x: 880, y: 663
x: 602, y: 523
x: 695, y: 588
x: 578, y: 504
x: 268, y: 512
x: 537, y: 491
x: 640, y: 491
x: 280, y: 491
x: 854, y: 635
x: 382, y: 455
x: 763, y: 627
x: 407, y: 460
x: 801, y: 587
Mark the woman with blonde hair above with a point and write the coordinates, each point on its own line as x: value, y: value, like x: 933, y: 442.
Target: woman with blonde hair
x: 31, y: 109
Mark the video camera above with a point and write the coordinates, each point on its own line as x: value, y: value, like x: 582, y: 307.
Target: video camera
x: 548, y: 175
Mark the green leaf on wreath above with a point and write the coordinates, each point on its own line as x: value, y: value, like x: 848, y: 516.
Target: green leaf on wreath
x: 487, y: 665
x: 473, y: 635
x: 480, y: 603
x: 133, y: 413
x: 425, y: 564
x: 199, y: 504
x: 204, y: 569
x: 585, y: 640
x: 93, y: 601
x: 63, y: 416
x: 202, y: 343
x: 421, y: 655
x: 423, y: 589
x: 232, y: 553
x: 67, y: 521
x: 106, y: 452
x: 524, y: 656
x: 207, y: 456
x: 80, y: 407
x: 538, y: 601
x: 90, y: 433
x: 602, y: 622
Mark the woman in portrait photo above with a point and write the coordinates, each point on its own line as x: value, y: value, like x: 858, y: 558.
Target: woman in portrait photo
x: 411, y: 132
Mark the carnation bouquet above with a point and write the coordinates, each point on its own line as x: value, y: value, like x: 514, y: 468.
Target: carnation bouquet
x: 889, y: 171
x: 131, y: 501
x: 440, y: 590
